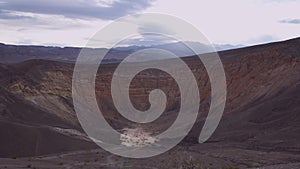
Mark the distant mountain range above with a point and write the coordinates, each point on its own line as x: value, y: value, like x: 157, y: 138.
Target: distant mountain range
x: 15, y: 53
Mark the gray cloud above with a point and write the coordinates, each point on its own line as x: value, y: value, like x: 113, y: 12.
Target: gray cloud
x: 290, y: 21
x: 74, y: 8
x: 11, y: 15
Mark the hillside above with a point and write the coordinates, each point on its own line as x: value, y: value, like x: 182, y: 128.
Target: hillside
x: 261, y: 115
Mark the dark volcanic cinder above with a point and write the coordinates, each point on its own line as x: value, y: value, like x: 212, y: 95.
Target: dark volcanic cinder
x: 260, y: 126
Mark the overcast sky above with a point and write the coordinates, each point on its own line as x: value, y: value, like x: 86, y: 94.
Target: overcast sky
x: 73, y: 22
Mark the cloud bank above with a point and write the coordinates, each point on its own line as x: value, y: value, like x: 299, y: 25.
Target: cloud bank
x: 100, y: 9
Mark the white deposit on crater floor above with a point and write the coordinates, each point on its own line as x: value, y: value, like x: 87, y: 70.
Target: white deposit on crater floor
x: 136, y: 138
